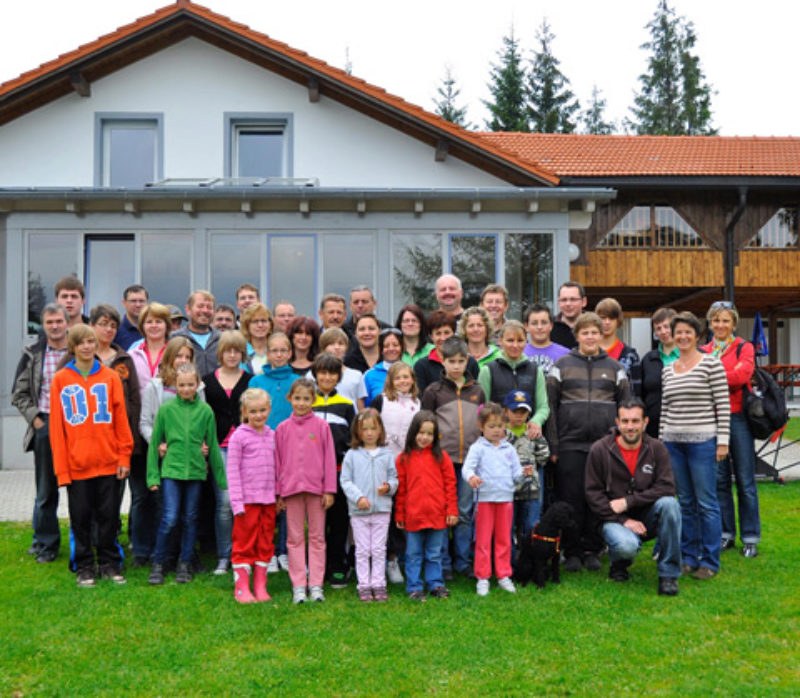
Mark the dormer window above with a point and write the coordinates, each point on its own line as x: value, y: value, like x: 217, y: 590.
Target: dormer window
x: 258, y: 145
x: 128, y: 149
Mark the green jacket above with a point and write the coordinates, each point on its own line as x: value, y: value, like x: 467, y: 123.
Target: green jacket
x: 184, y: 426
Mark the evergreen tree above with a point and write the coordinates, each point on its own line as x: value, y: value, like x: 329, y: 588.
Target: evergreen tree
x: 696, y: 97
x: 551, y: 104
x: 593, y: 118
x: 446, y: 107
x: 507, y: 86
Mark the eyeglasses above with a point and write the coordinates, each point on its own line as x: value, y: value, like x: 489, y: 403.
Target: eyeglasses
x: 278, y: 350
x: 722, y: 304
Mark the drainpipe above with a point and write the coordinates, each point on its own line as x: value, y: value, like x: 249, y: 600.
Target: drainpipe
x: 730, y: 247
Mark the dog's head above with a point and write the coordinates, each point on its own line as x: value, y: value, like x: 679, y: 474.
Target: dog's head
x: 561, y: 515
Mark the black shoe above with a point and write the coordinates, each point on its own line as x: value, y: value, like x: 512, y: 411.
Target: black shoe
x: 85, y: 577
x: 440, y: 593
x: 728, y: 544
x: 183, y: 575
x: 618, y: 571
x: 667, y: 586
x: 573, y: 564
x: 750, y: 550
x: 139, y: 561
x: 111, y: 572
x: 156, y: 574
x: 35, y: 548
x: 46, y: 556
x: 447, y: 575
x: 338, y: 580
x: 592, y: 563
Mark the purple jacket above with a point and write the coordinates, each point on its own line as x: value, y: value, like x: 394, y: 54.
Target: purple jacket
x: 251, y: 467
x: 305, y: 456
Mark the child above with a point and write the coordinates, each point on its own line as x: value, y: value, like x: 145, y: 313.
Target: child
x: 368, y: 463
x: 425, y: 505
x: 456, y: 400
x: 306, y: 483
x: 492, y: 468
x: 251, y: 483
x: 334, y: 341
x: 92, y: 445
x: 182, y: 426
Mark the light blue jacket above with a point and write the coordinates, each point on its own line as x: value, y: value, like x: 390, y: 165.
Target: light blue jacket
x: 497, y: 466
x: 362, y: 475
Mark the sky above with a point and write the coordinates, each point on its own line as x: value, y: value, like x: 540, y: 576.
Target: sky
x: 746, y: 48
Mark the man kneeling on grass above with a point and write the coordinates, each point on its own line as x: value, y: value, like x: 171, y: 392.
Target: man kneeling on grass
x: 629, y: 486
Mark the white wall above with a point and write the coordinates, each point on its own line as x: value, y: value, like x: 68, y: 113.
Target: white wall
x: 193, y: 84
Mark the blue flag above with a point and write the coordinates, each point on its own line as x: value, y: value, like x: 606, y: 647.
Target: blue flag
x: 759, y: 339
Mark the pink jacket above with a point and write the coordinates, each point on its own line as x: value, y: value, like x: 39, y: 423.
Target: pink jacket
x: 251, y: 467
x: 305, y: 456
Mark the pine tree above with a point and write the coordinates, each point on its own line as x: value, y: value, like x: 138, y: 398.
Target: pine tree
x: 696, y: 97
x: 507, y: 86
x: 551, y: 104
x: 446, y: 106
x: 593, y: 118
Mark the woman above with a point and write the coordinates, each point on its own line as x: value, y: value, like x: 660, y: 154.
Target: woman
x: 695, y: 424
x: 256, y: 325
x: 390, y: 346
x: 441, y: 326
x: 155, y: 325
x: 304, y: 335
x: 653, y: 363
x: 366, y: 352
x: 411, y: 321
x: 476, y: 329
x: 610, y: 312
x: 738, y: 359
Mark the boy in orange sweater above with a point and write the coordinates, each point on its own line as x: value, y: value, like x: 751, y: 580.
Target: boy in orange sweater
x: 92, y: 445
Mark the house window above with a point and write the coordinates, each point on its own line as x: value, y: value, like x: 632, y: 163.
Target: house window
x: 652, y: 227
x: 258, y: 146
x: 51, y: 256
x: 292, y: 271
x: 167, y: 266
x: 348, y: 260
x: 234, y: 258
x: 778, y: 232
x: 129, y: 150
x: 109, y: 267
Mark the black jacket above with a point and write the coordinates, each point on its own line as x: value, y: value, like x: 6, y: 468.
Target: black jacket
x: 505, y: 378
x: 562, y: 334
x: 651, y: 367
x: 227, y: 410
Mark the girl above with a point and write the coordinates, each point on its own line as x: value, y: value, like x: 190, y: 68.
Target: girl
x: 256, y: 326
x: 306, y: 484
x: 391, y: 350
x: 492, y: 468
x: 276, y: 378
x: 251, y: 481
x: 425, y: 505
x: 369, y: 479
x: 304, y: 337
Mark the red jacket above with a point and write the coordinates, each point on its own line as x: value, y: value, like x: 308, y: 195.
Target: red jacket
x: 739, y: 369
x: 426, y: 493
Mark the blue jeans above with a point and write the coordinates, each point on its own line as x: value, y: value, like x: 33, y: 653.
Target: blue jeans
x: 663, y: 521
x: 742, y: 461
x: 424, y: 545
x: 694, y: 466
x: 144, y: 513
x: 180, y: 501
x: 223, y: 515
x: 45, y: 507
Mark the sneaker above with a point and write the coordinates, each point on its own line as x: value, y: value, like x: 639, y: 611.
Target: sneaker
x: 618, y: 571
x: 113, y: 573
x: 447, y: 575
x: 440, y: 593
x: 365, y: 595
x: 316, y: 594
x: 573, y: 564
x: 592, y: 563
x: 703, y: 573
x: 379, y: 594
x: 750, y: 550
x: 728, y: 544
x: 482, y: 587
x: 418, y: 596
x: 46, y: 556
x: 393, y: 573
x: 338, y: 580
x: 223, y: 566
x: 667, y: 586
x: 156, y: 574
x: 35, y: 549
x: 183, y: 575
x: 86, y: 577
x: 506, y: 584
x: 272, y: 567
x: 298, y: 595
x: 283, y: 562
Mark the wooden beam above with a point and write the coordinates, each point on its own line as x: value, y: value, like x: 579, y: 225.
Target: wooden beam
x: 442, y: 148
x: 80, y: 84
x: 313, y: 90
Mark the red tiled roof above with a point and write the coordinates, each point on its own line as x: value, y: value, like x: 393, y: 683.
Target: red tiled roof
x: 573, y: 155
x: 432, y: 121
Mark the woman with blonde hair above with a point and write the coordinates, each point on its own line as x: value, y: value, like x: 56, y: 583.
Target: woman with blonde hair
x: 256, y: 325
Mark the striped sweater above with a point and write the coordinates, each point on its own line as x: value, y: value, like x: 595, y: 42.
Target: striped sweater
x: 695, y: 405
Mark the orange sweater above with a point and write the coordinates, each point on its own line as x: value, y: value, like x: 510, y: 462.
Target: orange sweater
x: 89, y: 431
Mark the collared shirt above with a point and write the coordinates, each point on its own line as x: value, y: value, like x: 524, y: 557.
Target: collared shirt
x: 667, y: 359
x: 50, y: 362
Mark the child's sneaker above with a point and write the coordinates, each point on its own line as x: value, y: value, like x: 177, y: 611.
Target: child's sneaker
x: 111, y: 572
x: 506, y: 584
x: 418, y: 596
x: 183, y: 575
x: 283, y: 562
x: 299, y: 595
x: 365, y: 595
x: 223, y: 566
x: 393, y: 573
x: 379, y: 594
x: 86, y: 577
x: 440, y: 593
x: 156, y: 574
x: 338, y: 580
x: 272, y: 567
x: 316, y: 594
x: 482, y: 587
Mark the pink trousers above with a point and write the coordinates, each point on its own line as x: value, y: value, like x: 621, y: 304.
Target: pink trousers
x: 369, y: 535
x: 493, y: 518
x: 301, y: 508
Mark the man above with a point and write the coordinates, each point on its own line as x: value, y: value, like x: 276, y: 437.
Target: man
x: 246, y: 295
x: 198, y: 330
x: 71, y: 295
x: 31, y: 396
x: 540, y: 349
x: 571, y: 302
x: 362, y: 301
x: 629, y: 486
x: 332, y: 310
x: 134, y: 298
x: 224, y: 318
x: 282, y: 316
x: 449, y: 295
x: 494, y: 300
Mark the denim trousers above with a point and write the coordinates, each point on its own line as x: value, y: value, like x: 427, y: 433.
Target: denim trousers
x: 741, y: 463
x: 424, y: 547
x: 145, y: 508
x: 45, y: 507
x: 223, y: 514
x: 463, y: 531
x: 180, y: 502
x: 695, y: 469
x: 663, y: 521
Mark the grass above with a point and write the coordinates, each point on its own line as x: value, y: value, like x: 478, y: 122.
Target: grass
x: 734, y: 635
x: 792, y: 429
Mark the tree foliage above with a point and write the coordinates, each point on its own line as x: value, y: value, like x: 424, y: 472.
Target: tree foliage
x: 507, y: 87
x: 446, y: 106
x: 593, y: 119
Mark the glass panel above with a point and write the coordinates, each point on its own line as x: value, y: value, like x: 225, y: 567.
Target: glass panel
x: 109, y: 270
x: 166, y: 267
x: 632, y: 231
x: 260, y: 152
x: 50, y: 257
x: 529, y: 271
x: 672, y: 231
x: 132, y: 156
x: 416, y: 264
x: 291, y: 271
x: 348, y: 261
x: 235, y: 259
x: 779, y: 231
x: 472, y: 259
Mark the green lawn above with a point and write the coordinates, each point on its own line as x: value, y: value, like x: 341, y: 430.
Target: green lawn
x: 738, y: 634
x: 792, y: 429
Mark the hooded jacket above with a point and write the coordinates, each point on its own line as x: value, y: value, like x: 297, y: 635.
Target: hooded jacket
x: 362, y: 474
x: 305, y: 456
x: 426, y: 490
x: 251, y: 467
x: 276, y: 381
x: 498, y: 467
x: 456, y: 410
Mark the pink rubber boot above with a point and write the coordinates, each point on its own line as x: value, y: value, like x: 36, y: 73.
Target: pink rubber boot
x: 241, y: 589
x: 260, y: 582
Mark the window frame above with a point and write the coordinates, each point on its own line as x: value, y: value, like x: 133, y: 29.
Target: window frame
x: 143, y: 120
x: 236, y: 121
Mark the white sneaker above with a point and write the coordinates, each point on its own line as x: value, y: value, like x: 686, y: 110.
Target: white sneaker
x: 393, y: 572
x: 272, y: 567
x: 483, y: 587
x: 506, y: 584
x: 298, y: 594
x: 223, y: 566
x: 283, y: 561
x: 316, y: 594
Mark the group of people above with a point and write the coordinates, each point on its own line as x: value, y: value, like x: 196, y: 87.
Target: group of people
x: 325, y: 445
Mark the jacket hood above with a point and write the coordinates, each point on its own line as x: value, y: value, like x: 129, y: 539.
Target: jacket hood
x: 94, y: 369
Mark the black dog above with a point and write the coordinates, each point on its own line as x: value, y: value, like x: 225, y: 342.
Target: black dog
x: 544, y: 545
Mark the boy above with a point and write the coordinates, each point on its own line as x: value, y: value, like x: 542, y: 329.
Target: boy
x: 339, y: 413
x: 441, y: 326
x: 92, y: 445
x: 541, y: 349
x: 456, y: 401
x: 334, y: 341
